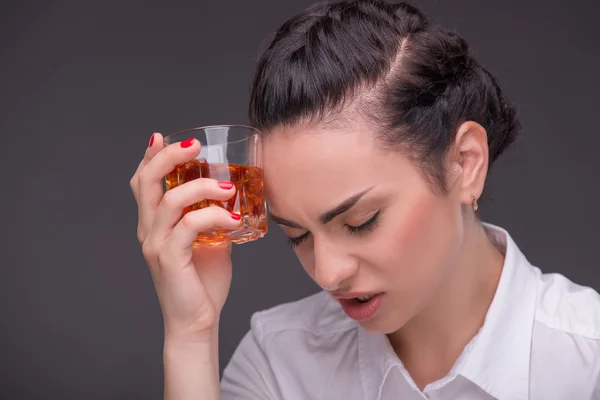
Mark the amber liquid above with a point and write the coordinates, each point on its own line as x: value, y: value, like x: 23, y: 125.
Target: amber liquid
x: 248, y: 200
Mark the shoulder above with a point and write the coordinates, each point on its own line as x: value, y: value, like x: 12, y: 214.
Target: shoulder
x: 566, y: 338
x: 312, y: 333
x: 292, y: 348
x: 315, y: 316
x: 567, y: 307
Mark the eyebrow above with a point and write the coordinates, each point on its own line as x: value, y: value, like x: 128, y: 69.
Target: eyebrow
x: 327, y: 216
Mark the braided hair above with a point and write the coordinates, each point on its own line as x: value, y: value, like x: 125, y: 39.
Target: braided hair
x: 416, y: 81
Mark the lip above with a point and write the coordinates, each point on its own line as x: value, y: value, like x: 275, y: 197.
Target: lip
x: 352, y: 295
x: 361, y: 311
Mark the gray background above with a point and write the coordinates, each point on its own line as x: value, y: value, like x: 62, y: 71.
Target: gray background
x: 84, y: 84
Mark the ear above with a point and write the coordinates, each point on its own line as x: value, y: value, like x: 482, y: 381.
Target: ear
x: 472, y: 158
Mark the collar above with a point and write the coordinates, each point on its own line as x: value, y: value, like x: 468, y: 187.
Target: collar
x: 500, y: 358
x: 497, y: 359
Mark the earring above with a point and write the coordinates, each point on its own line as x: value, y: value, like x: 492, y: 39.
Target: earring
x: 475, y: 205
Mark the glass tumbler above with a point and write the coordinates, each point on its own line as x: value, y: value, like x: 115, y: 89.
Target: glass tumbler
x: 231, y: 153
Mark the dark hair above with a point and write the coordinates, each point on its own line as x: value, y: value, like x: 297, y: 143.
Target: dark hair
x: 416, y: 81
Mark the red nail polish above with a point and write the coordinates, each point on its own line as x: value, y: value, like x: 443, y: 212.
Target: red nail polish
x: 235, y: 216
x: 151, y: 140
x: 187, y: 143
x: 225, y: 185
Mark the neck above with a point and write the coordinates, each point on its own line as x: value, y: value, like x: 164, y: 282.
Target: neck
x: 430, y: 343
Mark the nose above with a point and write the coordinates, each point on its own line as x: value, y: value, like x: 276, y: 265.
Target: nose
x: 333, y: 265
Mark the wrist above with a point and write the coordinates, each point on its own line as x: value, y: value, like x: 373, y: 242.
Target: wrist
x: 177, y: 352
x: 191, y: 367
x: 191, y: 337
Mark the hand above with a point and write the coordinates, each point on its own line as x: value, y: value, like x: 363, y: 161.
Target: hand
x: 192, y: 283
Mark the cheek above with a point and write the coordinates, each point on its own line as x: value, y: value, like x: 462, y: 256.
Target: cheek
x: 419, y: 243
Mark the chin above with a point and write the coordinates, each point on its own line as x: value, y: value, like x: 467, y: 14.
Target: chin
x: 383, y: 324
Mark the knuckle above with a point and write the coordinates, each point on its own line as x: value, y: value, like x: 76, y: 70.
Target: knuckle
x: 162, y: 259
x: 219, y: 216
x: 171, y: 155
x: 148, y: 155
x: 204, y: 218
x: 188, y: 221
x: 148, y: 250
x: 170, y: 199
x: 201, y: 184
x: 215, y: 212
x: 141, y: 235
x: 172, y: 151
x: 143, y: 175
x: 210, y: 212
x: 204, y: 189
x: 133, y: 182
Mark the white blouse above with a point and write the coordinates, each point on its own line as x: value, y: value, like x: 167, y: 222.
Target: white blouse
x: 540, y: 341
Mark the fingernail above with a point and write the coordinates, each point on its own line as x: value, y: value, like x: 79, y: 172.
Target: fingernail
x: 225, y: 185
x: 151, y: 140
x: 235, y: 216
x: 187, y: 143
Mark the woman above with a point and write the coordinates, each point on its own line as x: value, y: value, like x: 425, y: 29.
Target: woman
x: 379, y: 131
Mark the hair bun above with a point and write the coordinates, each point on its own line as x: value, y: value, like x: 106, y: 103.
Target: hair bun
x: 411, y: 19
x: 454, y: 59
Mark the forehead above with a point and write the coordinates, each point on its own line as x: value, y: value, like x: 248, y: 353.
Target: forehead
x: 309, y: 170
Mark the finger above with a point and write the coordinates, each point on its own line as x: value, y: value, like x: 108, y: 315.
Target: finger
x: 150, y: 189
x: 154, y: 146
x: 175, y: 200
x: 184, y: 233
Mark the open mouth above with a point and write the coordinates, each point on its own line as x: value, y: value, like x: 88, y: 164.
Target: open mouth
x: 364, y: 299
x: 363, y: 307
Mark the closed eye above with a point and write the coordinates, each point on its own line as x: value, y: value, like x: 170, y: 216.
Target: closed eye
x: 296, y: 241
x: 356, y: 230
x: 365, y: 227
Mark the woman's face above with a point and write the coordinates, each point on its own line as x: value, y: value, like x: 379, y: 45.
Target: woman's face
x: 398, y: 238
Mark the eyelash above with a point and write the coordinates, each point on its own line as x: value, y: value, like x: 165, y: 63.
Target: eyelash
x: 355, y: 230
